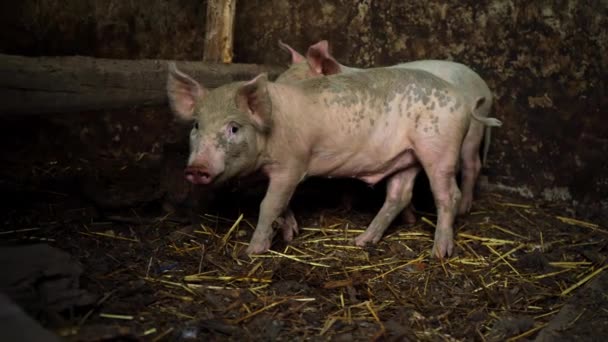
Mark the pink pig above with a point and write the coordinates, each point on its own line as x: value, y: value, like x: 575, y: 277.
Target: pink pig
x: 369, y: 125
x: 319, y: 62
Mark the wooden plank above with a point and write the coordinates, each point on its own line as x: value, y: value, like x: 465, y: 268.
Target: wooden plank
x: 39, y: 85
x: 219, y: 31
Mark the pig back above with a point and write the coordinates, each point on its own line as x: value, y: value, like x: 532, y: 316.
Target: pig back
x: 459, y: 75
x: 374, y: 115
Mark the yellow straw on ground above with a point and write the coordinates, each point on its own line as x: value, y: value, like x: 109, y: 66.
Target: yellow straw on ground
x: 576, y: 222
x: 504, y: 230
x: 200, y: 277
x: 584, y: 280
x: 227, y: 236
x: 503, y: 259
x: 125, y: 317
x: 267, y: 307
x: 487, y: 240
x: 516, y: 205
x: 294, y: 258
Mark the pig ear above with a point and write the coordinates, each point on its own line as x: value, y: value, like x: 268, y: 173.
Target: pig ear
x: 183, y: 93
x: 253, y: 98
x: 320, y: 59
x: 296, y: 57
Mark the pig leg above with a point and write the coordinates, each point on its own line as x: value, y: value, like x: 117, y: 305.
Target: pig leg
x: 288, y: 224
x: 439, y: 158
x: 398, y: 196
x: 280, y: 190
x: 470, y: 165
x: 447, y: 196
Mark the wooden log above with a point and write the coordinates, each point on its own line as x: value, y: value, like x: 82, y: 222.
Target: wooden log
x: 219, y: 31
x: 43, y: 85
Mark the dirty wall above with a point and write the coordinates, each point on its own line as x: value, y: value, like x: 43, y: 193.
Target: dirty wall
x: 546, y: 62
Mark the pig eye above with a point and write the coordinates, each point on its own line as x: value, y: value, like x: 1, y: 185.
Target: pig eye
x: 233, y: 128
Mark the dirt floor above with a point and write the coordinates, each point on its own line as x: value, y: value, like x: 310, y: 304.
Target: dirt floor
x: 523, y: 269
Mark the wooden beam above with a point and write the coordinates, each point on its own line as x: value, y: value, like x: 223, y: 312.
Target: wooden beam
x: 219, y: 31
x: 42, y: 85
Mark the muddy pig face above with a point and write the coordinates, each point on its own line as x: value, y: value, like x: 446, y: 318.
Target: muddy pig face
x: 228, y: 125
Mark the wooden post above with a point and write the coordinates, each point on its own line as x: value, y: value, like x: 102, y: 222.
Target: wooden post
x: 219, y: 31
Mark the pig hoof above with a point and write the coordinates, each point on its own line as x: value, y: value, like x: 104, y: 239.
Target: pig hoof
x: 443, y: 247
x: 289, y: 227
x: 363, y: 239
x: 465, y: 206
x: 360, y: 241
x: 258, y: 247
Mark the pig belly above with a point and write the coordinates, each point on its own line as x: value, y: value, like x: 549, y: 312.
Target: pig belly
x: 369, y: 167
x: 400, y: 162
x: 369, y: 152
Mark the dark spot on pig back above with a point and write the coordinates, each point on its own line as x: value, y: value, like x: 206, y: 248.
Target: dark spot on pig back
x: 375, y: 89
x: 425, y: 100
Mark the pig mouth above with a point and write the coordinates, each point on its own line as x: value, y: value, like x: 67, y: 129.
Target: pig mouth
x: 199, y: 175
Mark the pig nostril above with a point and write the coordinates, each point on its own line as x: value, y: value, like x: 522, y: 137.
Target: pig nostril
x: 197, y: 175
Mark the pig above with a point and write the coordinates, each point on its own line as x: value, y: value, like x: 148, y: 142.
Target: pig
x: 319, y: 62
x: 369, y: 125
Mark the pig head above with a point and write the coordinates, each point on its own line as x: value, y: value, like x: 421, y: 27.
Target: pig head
x: 227, y: 131
x: 230, y: 129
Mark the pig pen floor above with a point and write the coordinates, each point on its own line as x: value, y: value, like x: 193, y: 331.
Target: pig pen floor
x: 523, y: 269
x: 519, y: 267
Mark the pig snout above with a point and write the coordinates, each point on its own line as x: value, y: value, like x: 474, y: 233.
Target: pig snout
x: 198, y: 175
